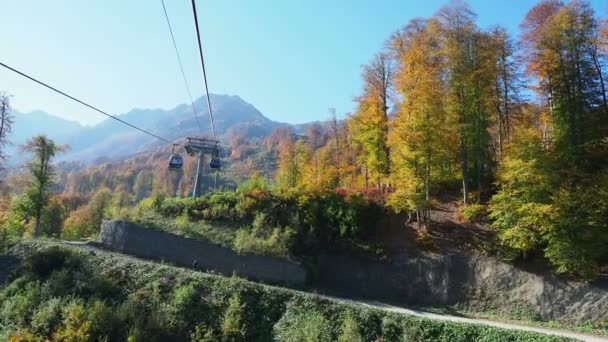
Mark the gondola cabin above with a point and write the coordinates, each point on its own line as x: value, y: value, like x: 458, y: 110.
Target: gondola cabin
x: 215, y: 163
x: 176, y: 162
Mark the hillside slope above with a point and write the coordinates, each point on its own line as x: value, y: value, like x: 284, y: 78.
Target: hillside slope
x: 126, y: 298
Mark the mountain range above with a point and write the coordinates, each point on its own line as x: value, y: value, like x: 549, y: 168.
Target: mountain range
x: 110, y: 139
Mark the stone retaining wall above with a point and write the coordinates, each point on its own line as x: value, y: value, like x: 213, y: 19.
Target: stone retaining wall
x: 152, y: 244
x: 480, y: 282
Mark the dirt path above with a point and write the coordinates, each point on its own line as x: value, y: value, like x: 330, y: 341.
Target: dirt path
x: 407, y: 311
x: 441, y: 317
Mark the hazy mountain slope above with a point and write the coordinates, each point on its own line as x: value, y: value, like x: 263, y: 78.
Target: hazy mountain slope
x: 29, y: 124
x: 111, y: 139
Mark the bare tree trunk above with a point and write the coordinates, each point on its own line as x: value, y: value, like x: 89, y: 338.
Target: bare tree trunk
x: 37, y: 226
x: 464, y: 158
x: 479, y: 159
x: 505, y: 81
x: 334, y: 124
x: 598, y: 68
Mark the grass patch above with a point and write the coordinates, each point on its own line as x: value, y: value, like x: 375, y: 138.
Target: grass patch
x: 514, y: 315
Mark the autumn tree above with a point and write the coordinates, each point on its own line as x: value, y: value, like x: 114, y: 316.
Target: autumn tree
x: 369, y: 124
x: 522, y: 210
x: 551, y: 181
x: 464, y: 50
x: 42, y: 174
x: 420, y: 138
x: 321, y: 173
x: 503, y: 66
x: 343, y: 151
x: 294, y: 155
x: 562, y: 53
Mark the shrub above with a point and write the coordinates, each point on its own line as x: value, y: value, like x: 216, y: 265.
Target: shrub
x: 523, y: 312
x: 473, y: 212
x: 54, y: 258
x: 202, y: 334
x: 182, y: 222
x: 391, y: 329
x: 256, y: 182
x: 103, y: 321
x: 47, y: 317
x: 189, y: 306
x: 78, y: 225
x: 305, y: 326
x: 223, y: 206
x: 75, y: 326
x: 349, y: 332
x: 20, y: 308
x: 233, y: 328
x: 256, y: 241
x: 23, y: 335
x: 157, y: 201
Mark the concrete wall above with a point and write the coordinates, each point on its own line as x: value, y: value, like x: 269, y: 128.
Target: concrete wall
x: 152, y: 244
x: 480, y: 281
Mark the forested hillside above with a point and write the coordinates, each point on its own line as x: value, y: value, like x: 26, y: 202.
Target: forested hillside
x: 465, y: 141
x: 508, y: 133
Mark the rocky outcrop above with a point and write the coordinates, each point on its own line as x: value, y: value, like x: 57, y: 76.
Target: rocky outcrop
x: 152, y: 244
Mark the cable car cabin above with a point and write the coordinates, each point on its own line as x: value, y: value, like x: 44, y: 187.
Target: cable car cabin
x: 176, y: 162
x: 215, y: 163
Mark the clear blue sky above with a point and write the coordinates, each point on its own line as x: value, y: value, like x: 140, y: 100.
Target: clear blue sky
x: 292, y: 59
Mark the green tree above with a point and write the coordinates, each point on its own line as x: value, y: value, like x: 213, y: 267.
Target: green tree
x: 42, y: 174
x: 576, y: 243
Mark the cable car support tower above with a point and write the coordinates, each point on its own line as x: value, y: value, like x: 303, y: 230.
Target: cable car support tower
x: 202, y: 147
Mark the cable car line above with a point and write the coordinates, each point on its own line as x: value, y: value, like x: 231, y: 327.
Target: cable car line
x: 200, y: 50
x: 181, y: 66
x: 83, y: 103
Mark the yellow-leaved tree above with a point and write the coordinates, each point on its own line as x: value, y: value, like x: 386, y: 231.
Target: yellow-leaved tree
x: 368, y: 126
x: 422, y: 137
